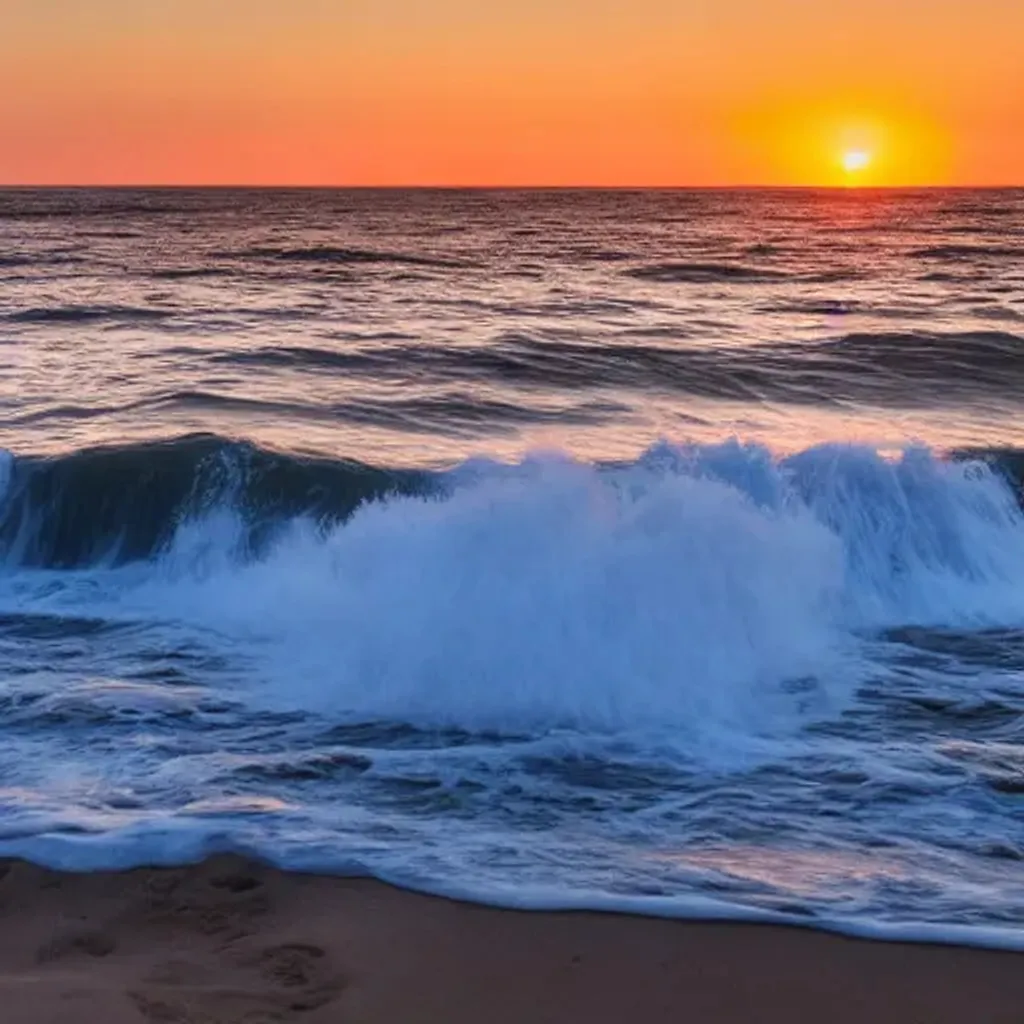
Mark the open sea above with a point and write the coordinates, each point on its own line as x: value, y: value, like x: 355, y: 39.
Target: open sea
x: 647, y: 551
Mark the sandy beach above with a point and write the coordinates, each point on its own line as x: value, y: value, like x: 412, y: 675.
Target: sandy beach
x: 230, y: 941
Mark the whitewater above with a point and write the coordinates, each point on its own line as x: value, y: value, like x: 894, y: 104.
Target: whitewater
x: 370, y: 557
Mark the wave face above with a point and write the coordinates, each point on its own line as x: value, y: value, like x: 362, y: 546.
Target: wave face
x: 112, y: 505
x: 708, y: 681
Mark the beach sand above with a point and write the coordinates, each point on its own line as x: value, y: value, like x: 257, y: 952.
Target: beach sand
x: 230, y: 941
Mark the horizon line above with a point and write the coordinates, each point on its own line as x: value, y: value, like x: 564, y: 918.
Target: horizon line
x: 282, y: 186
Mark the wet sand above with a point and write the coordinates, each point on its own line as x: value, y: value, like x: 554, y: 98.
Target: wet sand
x: 231, y: 942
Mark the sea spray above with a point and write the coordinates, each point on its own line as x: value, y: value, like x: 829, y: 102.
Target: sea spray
x: 554, y: 595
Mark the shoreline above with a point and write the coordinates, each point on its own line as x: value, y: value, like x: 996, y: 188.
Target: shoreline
x: 234, y: 941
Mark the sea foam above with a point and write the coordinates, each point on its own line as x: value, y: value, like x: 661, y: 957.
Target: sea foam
x: 700, y: 589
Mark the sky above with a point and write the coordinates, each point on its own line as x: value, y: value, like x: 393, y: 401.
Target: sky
x: 495, y: 92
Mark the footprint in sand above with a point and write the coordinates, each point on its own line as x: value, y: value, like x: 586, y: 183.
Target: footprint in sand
x: 271, y: 985
x: 88, y: 942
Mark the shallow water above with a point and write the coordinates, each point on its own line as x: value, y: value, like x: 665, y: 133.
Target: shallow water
x: 312, y: 597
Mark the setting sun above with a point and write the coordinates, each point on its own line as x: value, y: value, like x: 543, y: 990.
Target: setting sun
x: 856, y: 160
x: 514, y: 92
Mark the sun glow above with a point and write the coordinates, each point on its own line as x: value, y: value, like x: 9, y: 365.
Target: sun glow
x: 847, y: 142
x: 855, y: 160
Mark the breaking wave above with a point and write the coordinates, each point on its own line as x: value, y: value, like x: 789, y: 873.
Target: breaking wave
x: 698, y: 582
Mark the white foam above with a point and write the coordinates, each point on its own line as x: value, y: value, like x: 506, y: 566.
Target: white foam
x: 689, y: 591
x: 178, y: 842
x: 552, y: 596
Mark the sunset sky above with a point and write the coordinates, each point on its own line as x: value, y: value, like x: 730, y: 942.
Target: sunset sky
x: 494, y: 92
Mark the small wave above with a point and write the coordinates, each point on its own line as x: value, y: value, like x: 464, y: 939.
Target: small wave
x: 188, y: 273
x: 764, y: 249
x: 308, y: 357
x: 969, y: 252
x: 112, y: 234
x: 52, y: 413
x: 597, y: 255
x: 925, y: 369
x: 454, y: 414
x: 830, y: 277
x: 58, y: 208
x: 43, y: 259
x: 104, y: 702
x: 886, y: 368
x: 332, y: 254
x: 199, y: 399
x: 823, y: 307
x: 304, y: 767
x: 84, y: 314
x: 703, y: 273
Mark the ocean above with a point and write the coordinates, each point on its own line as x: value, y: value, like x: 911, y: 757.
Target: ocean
x: 647, y: 551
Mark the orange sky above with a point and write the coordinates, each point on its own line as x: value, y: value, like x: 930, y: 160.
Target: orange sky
x: 598, y: 92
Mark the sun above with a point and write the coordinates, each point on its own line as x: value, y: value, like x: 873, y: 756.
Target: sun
x: 855, y: 160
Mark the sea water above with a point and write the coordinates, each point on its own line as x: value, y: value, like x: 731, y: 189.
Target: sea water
x: 653, y: 551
